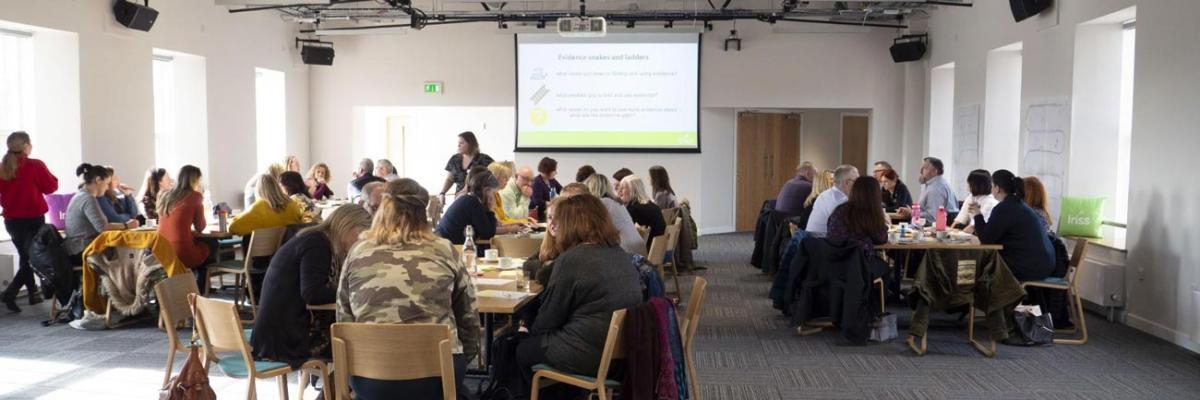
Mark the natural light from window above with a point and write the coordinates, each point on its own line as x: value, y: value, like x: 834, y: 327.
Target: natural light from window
x: 1125, y: 123
x: 271, y: 115
x: 164, y: 111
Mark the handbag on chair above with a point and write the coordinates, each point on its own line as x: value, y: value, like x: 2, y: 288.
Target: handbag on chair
x: 191, y: 383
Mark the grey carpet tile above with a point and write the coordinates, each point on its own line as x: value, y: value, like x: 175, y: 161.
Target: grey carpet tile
x: 812, y: 378
x: 903, y: 392
x: 842, y: 393
x: 738, y: 392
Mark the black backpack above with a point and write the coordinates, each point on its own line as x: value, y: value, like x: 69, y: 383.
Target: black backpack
x: 49, y: 260
x: 508, y: 381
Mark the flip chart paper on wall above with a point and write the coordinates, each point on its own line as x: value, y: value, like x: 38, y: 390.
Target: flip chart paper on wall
x: 966, y: 145
x: 1045, y: 145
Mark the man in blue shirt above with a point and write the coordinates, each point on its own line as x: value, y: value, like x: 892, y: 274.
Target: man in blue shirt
x: 935, y: 191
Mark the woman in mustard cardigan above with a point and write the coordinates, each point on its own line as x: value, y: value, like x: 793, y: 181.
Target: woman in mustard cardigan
x: 272, y: 208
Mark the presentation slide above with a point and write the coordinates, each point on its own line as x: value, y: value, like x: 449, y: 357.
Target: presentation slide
x: 633, y: 92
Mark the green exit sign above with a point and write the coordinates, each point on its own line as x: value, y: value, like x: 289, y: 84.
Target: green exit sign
x: 433, y: 87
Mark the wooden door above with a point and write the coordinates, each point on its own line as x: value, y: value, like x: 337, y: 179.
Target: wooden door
x: 768, y: 150
x: 854, y: 142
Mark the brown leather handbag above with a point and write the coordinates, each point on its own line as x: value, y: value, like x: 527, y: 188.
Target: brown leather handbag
x: 191, y: 383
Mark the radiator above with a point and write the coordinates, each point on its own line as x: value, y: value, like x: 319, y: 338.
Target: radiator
x: 1102, y: 283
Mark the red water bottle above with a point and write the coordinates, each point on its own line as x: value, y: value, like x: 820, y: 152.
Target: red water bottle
x: 940, y: 219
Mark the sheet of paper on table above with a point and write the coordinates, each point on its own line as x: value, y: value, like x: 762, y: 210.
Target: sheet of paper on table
x: 503, y: 294
x: 493, y: 282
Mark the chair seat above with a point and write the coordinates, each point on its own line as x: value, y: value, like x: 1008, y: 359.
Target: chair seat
x: 547, y: 367
x: 1051, y: 282
x: 233, y: 366
x: 229, y: 265
x: 1056, y: 281
x: 230, y: 242
x: 183, y: 343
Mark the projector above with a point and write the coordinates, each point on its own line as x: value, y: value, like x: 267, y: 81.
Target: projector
x: 582, y: 27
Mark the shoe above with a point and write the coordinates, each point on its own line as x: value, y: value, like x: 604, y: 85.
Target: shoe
x: 35, y: 298
x: 12, y: 306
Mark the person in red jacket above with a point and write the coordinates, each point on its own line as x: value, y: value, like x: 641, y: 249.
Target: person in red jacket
x: 24, y: 184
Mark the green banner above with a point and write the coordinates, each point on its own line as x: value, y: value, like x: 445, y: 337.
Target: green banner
x: 608, y: 139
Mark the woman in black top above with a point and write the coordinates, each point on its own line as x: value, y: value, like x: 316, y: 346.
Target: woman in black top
x: 1027, y: 248
x: 592, y: 278
x: 305, y: 272
x: 467, y: 157
x: 895, y: 193
x: 632, y: 191
x: 473, y: 208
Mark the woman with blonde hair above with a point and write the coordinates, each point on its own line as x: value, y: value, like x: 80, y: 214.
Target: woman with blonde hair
x: 823, y: 182
x: 598, y: 185
x: 272, y: 209
x: 305, y: 272
x: 24, y: 184
x: 400, y: 273
x: 641, y: 207
x: 251, y: 190
x: 507, y: 223
x: 290, y: 163
x: 318, y: 182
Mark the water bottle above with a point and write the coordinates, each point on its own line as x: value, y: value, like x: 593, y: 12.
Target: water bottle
x: 469, y: 253
x: 940, y: 219
x: 916, y: 213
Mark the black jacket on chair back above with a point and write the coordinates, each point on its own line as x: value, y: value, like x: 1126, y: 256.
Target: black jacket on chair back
x: 830, y: 279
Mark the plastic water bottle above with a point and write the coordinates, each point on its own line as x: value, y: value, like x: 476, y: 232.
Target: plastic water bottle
x: 468, y: 253
x: 916, y: 214
x: 940, y: 219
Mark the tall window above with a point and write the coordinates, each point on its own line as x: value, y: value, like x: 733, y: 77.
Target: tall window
x: 1125, y: 123
x: 271, y: 115
x: 941, y: 116
x: 16, y: 81
x: 164, y: 112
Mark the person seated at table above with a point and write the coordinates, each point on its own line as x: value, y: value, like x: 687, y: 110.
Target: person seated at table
x: 181, y: 214
x: 843, y: 179
x: 473, y: 208
x: 584, y: 172
x: 507, y: 222
x: 1017, y: 227
x: 158, y: 181
x: 592, y: 278
x: 85, y: 220
x: 1035, y: 197
x: 541, y: 264
x: 861, y: 219
x: 372, y: 195
x: 291, y: 163
x: 935, y: 191
x: 545, y: 187
x: 822, y: 182
x: 294, y: 188
x: 632, y: 191
x: 364, y: 174
x: 879, y: 168
x: 318, y: 182
x: 250, y: 191
x: 980, y: 183
x: 896, y: 197
x: 117, y: 202
x: 631, y: 240
x: 400, y: 273
x: 790, y: 200
x: 516, y: 196
x: 384, y: 169
x: 660, y: 185
x: 621, y: 174
x: 272, y: 209
x: 305, y: 272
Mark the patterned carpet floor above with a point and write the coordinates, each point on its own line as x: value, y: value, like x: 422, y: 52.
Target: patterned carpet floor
x: 744, y: 350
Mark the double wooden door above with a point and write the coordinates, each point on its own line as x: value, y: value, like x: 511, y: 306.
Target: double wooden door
x: 768, y: 151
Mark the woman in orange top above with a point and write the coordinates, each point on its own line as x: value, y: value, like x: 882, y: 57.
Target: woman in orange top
x: 180, y: 213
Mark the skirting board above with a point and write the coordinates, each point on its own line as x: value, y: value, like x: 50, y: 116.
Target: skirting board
x: 716, y: 230
x: 1179, y: 338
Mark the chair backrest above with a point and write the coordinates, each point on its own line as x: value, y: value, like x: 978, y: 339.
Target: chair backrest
x: 264, y: 243
x: 173, y: 307
x: 673, y: 233
x: 392, y: 352
x: 220, y: 328
x: 691, y: 316
x: 513, y: 246
x: 614, y: 345
x: 658, y: 250
x: 644, y: 231
x: 1076, y: 262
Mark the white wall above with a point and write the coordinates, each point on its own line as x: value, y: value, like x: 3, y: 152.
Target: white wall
x: 115, y: 81
x: 774, y: 70
x: 1164, y: 255
x: 56, y: 58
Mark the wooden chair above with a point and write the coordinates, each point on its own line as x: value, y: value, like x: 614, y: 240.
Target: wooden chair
x: 392, y: 352
x: 1068, y: 284
x: 513, y: 246
x: 689, y: 324
x: 644, y: 231
x: 613, y: 349
x: 173, y: 310
x: 672, y: 234
x: 658, y: 253
x: 221, y: 331
x: 263, y: 243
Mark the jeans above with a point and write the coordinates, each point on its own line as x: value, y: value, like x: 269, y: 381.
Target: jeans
x: 22, y: 232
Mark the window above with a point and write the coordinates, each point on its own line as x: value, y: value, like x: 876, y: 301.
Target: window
x: 16, y: 81
x: 941, y: 116
x: 1125, y: 123
x: 1002, y: 109
x: 164, y: 111
x: 271, y: 115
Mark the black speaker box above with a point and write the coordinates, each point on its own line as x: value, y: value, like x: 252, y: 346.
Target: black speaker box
x: 908, y: 51
x: 1022, y: 9
x: 134, y: 16
x: 317, y: 55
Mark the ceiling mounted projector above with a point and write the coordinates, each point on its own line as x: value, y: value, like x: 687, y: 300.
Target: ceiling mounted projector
x: 582, y: 27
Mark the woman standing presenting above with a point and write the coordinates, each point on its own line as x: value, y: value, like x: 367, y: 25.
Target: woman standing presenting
x: 467, y: 157
x: 24, y: 182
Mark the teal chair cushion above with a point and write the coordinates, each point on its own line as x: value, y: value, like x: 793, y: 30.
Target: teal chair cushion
x: 234, y: 366
x: 1056, y: 281
x: 231, y: 264
x: 547, y: 367
x: 200, y: 341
